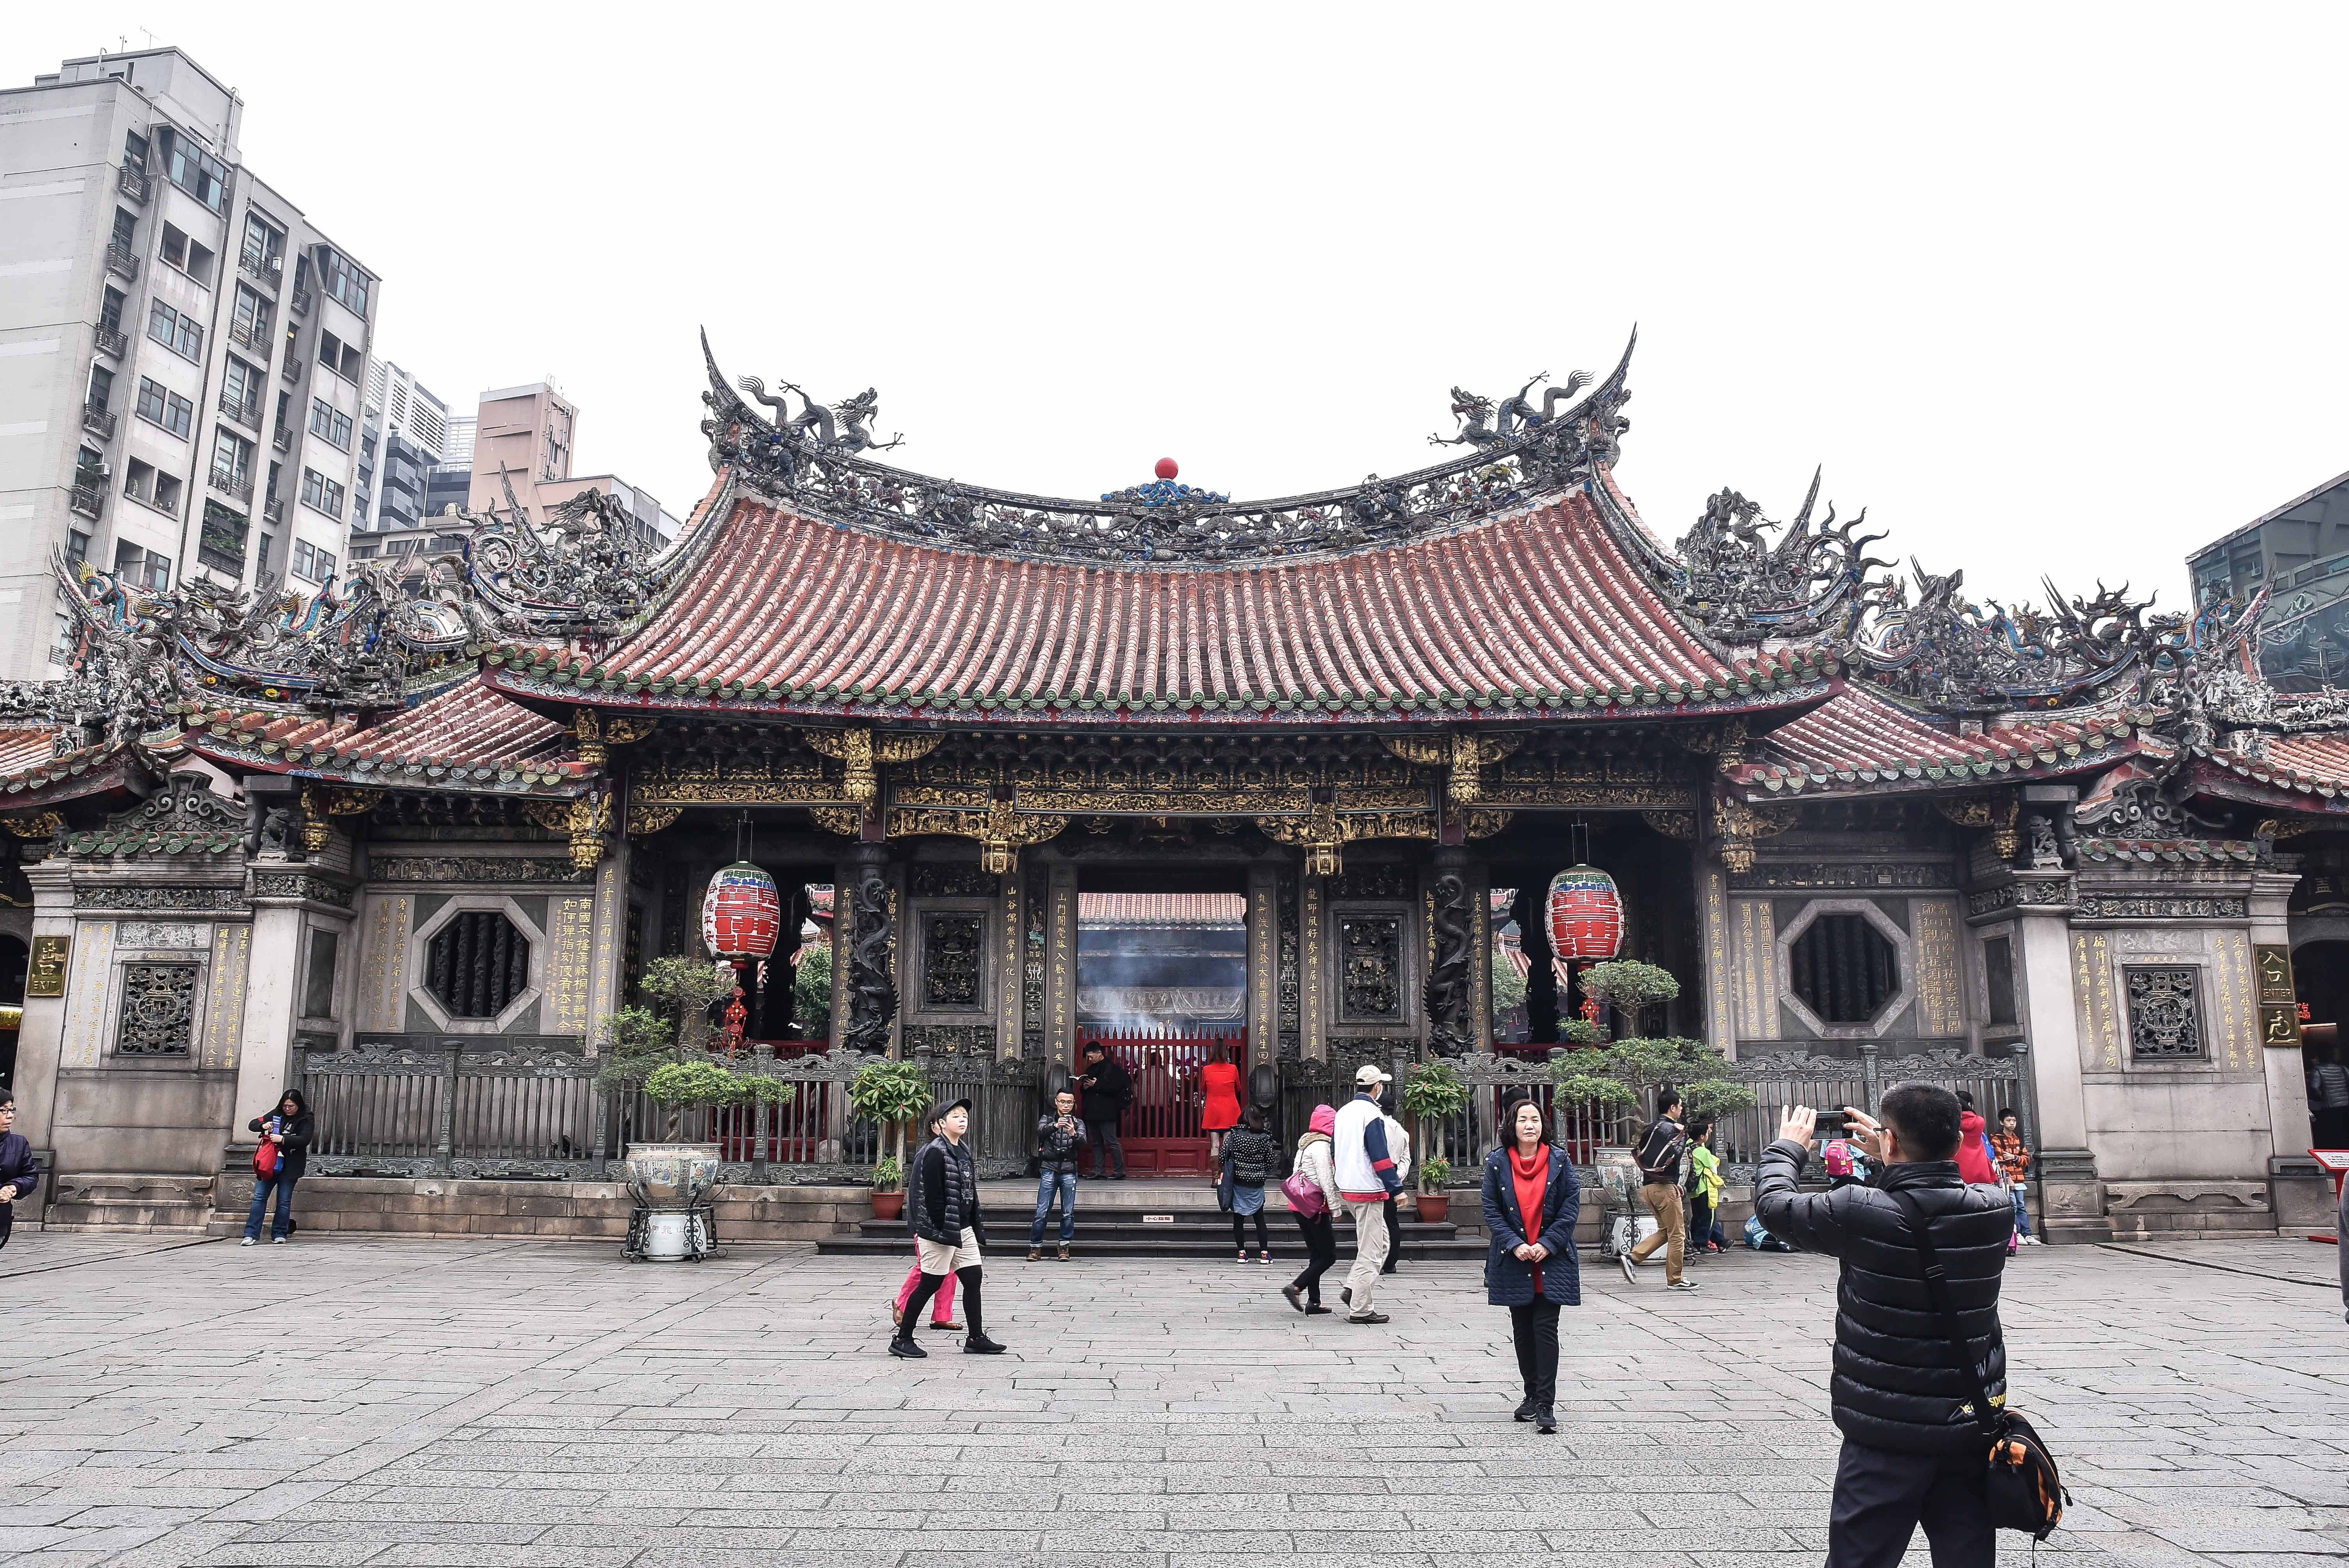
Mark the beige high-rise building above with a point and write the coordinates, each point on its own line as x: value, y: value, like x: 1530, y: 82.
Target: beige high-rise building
x: 183, y: 354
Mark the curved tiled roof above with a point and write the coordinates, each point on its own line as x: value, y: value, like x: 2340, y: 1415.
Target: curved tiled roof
x: 1859, y: 737
x: 1538, y: 611
x: 466, y: 738
x: 1217, y: 910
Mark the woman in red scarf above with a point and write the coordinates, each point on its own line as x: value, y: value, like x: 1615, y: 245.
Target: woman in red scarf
x: 1531, y: 1201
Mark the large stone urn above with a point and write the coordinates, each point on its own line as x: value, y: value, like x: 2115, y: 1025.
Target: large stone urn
x: 671, y: 1183
x: 1618, y: 1170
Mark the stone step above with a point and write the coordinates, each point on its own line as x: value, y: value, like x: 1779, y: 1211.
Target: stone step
x: 1286, y: 1248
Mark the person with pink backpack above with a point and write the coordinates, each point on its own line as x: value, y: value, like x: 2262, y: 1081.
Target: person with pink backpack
x: 1311, y: 1189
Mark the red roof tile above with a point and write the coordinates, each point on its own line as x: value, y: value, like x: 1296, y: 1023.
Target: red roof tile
x: 24, y: 747
x: 1538, y: 610
x: 467, y: 738
x: 1861, y: 737
x: 1217, y: 910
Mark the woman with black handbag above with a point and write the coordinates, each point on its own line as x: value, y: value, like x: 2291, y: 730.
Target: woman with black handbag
x: 1531, y: 1202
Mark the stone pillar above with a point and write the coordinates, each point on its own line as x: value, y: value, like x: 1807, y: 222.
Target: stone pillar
x: 2301, y: 1193
x: 608, y: 957
x: 40, y: 1042
x: 2070, y: 1197
x: 264, y: 1054
x: 1713, y: 955
x: 1313, y: 1002
x: 1061, y: 966
x: 1263, y: 1013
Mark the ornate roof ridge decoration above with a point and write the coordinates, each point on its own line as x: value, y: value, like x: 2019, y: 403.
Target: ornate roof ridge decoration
x: 1742, y: 587
x: 467, y: 739
x: 1946, y: 653
x: 816, y: 462
x: 184, y: 817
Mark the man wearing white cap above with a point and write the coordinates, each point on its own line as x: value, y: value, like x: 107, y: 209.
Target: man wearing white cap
x: 1366, y: 1180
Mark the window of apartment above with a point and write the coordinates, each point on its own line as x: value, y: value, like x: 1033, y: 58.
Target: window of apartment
x: 321, y: 493
x: 102, y: 387
x: 240, y: 387
x: 77, y: 544
x: 150, y: 485
x: 125, y: 230
x: 110, y: 315
x: 312, y: 563
x: 343, y: 281
x: 250, y: 320
x: 220, y: 544
x: 331, y: 422
x: 160, y: 406
x: 196, y: 171
x: 264, y: 247
x: 261, y: 556
x: 367, y: 448
x: 141, y: 568
x: 343, y: 359
x: 187, y: 256
x: 134, y: 151
x: 90, y: 467
x: 181, y: 334
x: 231, y: 457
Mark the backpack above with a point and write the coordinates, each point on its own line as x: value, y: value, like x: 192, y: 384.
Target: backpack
x: 1837, y: 1157
x: 1669, y: 1156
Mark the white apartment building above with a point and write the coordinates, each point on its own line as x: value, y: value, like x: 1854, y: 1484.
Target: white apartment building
x: 404, y: 436
x: 183, y: 354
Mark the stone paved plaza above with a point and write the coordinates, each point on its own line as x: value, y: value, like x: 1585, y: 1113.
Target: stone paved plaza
x: 486, y: 1403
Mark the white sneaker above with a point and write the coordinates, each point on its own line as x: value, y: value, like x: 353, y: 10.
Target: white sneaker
x: 1630, y: 1269
x: 278, y: 1240
x: 246, y: 1242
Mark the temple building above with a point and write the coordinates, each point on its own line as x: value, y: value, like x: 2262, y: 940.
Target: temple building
x: 1161, y: 765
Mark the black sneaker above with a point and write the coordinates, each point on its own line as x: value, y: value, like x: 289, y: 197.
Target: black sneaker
x: 1526, y: 1411
x: 1546, y: 1423
x: 1296, y: 1296
x: 980, y: 1345
x: 1317, y: 1310
x: 1367, y: 1317
x: 908, y: 1349
x: 1346, y: 1294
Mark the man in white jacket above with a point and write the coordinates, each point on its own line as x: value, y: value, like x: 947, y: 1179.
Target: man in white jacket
x: 1367, y: 1178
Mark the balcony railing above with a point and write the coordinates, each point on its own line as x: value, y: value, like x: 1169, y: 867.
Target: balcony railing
x: 120, y: 260
x: 247, y: 413
x: 228, y: 483
x: 292, y: 368
x: 282, y: 438
x: 89, y: 499
x: 301, y: 301
x: 266, y: 270
x: 110, y: 340
x: 133, y: 182
x: 97, y: 421
x: 253, y: 335
x: 273, y: 509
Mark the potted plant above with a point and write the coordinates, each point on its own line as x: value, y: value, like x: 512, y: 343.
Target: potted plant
x: 1433, y: 1094
x: 893, y: 1094
x: 1629, y: 986
x: 1434, y: 1202
x: 662, y: 1050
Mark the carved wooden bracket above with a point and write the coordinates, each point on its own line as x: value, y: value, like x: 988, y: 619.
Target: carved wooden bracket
x: 1464, y: 756
x: 587, y: 821
x: 862, y: 751
x: 1002, y: 830
x: 1739, y: 824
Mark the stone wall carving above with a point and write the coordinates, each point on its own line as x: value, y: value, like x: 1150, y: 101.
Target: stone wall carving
x: 871, y: 992
x: 951, y: 1039
x: 2162, y: 906
x: 477, y: 869
x: 2054, y: 893
x: 159, y: 1009
x: 952, y: 963
x: 1802, y: 876
x: 1370, y: 969
x: 1451, y: 1030
x: 2165, y: 1012
x: 302, y: 885
x: 208, y: 900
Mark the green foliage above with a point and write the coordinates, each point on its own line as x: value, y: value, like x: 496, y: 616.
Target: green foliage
x: 1628, y: 984
x: 887, y: 1174
x: 812, y: 990
x: 1621, y: 1075
x: 891, y: 1093
x: 1509, y: 985
x: 663, y: 1048
x: 1434, y: 1090
x: 1434, y: 1173
x: 1579, y: 1032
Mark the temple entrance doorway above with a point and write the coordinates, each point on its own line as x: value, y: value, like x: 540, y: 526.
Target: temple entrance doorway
x: 1163, y: 985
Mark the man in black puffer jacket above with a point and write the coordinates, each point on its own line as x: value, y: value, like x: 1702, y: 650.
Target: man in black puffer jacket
x: 942, y: 1209
x: 1912, y: 1450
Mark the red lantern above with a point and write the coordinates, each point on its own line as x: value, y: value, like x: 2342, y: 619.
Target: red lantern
x: 741, y: 914
x: 1586, y: 915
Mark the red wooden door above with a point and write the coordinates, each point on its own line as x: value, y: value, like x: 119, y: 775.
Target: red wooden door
x: 1160, y: 1131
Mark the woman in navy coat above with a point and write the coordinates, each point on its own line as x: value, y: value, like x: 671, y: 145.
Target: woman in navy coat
x: 1531, y: 1201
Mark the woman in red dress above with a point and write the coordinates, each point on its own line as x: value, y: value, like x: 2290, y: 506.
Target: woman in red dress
x: 1221, y: 1080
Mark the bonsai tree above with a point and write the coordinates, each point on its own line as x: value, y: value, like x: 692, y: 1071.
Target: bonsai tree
x: 1434, y: 1091
x: 1628, y: 987
x: 893, y: 1094
x: 1579, y: 1032
x: 661, y: 1044
x: 1618, y: 1076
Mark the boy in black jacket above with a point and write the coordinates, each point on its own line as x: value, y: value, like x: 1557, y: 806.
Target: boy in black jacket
x: 942, y: 1207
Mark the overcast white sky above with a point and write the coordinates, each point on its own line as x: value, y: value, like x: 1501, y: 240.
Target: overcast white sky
x: 2045, y: 288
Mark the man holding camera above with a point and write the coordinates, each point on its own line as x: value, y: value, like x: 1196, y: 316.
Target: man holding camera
x: 1912, y: 1450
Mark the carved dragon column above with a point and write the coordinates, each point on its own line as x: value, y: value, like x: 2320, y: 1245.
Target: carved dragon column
x: 1450, y: 993
x: 864, y: 984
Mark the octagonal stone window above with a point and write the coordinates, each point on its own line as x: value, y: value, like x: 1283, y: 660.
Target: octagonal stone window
x: 1845, y: 969
x: 477, y: 964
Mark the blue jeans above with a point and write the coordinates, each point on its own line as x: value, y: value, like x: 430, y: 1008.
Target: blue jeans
x: 1065, y: 1183
x: 261, y: 1187
x: 2021, y: 1210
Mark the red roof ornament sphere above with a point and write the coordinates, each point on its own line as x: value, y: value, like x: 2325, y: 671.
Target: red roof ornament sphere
x: 1586, y: 915
x: 1168, y: 469
x: 741, y: 914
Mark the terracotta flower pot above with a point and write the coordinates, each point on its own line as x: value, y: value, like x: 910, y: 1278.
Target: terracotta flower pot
x: 1434, y: 1209
x: 888, y: 1205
